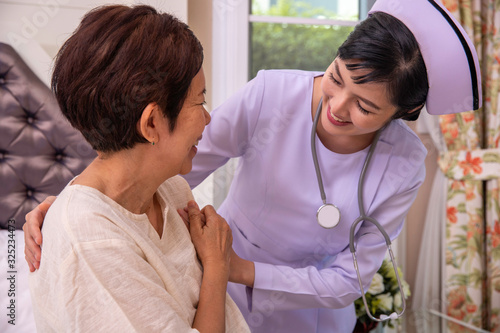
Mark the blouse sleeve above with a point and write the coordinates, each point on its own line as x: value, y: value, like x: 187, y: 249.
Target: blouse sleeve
x: 335, y: 284
x: 229, y: 133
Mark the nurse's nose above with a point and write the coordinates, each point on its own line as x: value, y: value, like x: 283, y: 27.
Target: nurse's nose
x: 339, y: 106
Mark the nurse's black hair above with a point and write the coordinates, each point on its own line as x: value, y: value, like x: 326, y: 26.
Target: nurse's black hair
x: 385, y: 46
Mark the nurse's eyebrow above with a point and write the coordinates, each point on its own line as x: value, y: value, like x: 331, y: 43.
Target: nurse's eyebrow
x: 369, y: 103
x: 373, y: 105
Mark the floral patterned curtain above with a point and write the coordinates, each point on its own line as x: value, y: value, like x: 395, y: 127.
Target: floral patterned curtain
x: 472, y: 167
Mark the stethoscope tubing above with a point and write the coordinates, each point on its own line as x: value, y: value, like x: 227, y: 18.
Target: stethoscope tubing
x: 362, y: 217
x: 315, y: 155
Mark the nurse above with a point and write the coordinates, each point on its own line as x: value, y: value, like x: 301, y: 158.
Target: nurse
x: 290, y: 274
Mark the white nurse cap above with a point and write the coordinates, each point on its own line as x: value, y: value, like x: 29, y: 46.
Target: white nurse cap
x: 449, y: 54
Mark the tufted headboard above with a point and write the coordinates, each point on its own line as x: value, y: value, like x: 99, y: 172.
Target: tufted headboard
x: 39, y: 150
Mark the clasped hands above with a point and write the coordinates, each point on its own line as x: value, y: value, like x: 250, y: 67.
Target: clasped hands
x: 212, y: 239
x: 211, y: 236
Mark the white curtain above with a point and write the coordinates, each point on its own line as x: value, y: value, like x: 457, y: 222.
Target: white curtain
x: 427, y: 290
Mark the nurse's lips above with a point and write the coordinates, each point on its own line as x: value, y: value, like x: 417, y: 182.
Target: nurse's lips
x: 336, y: 120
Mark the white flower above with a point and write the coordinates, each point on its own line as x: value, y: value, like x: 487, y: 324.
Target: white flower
x: 406, y: 288
x: 397, y: 300
x: 377, y: 285
x: 386, y: 301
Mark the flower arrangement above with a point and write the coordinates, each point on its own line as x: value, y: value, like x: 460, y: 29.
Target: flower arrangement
x: 383, y: 297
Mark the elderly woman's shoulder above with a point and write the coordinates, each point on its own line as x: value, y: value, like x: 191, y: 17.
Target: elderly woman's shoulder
x: 176, y: 190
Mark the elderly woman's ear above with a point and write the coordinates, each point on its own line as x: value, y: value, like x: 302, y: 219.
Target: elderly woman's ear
x: 149, y: 122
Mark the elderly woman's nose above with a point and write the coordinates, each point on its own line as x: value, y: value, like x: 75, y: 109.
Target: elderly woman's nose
x: 207, y: 117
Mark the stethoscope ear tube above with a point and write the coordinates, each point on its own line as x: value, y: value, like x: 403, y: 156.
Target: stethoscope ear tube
x: 369, y: 219
x: 394, y: 315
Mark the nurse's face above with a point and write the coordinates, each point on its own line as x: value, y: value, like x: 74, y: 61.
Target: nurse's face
x: 351, y: 109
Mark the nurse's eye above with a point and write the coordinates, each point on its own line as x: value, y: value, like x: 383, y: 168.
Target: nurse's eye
x: 334, y: 80
x: 363, y: 110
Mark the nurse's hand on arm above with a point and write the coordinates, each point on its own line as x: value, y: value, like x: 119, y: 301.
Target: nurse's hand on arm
x: 33, y: 234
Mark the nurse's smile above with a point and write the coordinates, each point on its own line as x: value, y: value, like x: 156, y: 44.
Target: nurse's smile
x: 336, y: 120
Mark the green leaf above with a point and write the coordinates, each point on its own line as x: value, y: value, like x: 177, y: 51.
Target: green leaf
x: 292, y: 46
x: 461, y: 208
x: 491, y: 158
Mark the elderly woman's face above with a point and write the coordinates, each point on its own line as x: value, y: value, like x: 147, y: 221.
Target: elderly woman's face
x: 190, y: 123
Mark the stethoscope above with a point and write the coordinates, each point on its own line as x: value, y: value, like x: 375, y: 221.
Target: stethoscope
x: 328, y: 216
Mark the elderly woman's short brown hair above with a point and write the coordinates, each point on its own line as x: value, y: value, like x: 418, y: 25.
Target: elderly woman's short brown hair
x: 118, y: 61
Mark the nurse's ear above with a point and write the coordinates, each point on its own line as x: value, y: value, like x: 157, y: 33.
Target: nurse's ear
x: 148, y: 124
x: 411, y: 115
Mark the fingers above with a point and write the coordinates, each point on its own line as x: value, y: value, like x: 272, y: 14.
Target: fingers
x: 45, y: 205
x: 34, y: 219
x: 214, y: 220
x: 210, y: 213
x: 33, y: 235
x: 30, y: 251
x: 184, y: 216
x: 194, y: 215
x: 30, y: 265
x: 210, y: 234
x: 32, y: 227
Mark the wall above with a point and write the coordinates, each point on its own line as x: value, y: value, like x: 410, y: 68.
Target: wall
x: 199, y: 18
x: 34, y: 26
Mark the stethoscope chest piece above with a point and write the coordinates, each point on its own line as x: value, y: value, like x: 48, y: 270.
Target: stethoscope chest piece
x: 328, y: 216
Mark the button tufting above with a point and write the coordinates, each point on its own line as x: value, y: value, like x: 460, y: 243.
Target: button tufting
x: 3, y: 155
x: 2, y: 80
x: 29, y: 193
x: 30, y: 117
x: 59, y: 155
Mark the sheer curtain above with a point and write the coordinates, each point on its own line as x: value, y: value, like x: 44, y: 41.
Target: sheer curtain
x: 428, y: 279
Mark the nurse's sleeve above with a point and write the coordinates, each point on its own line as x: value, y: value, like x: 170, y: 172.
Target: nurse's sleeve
x: 335, y: 285
x: 229, y: 133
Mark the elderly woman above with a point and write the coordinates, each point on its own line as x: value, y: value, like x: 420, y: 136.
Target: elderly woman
x: 117, y: 256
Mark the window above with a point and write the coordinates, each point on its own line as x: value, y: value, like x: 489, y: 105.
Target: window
x: 298, y: 34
